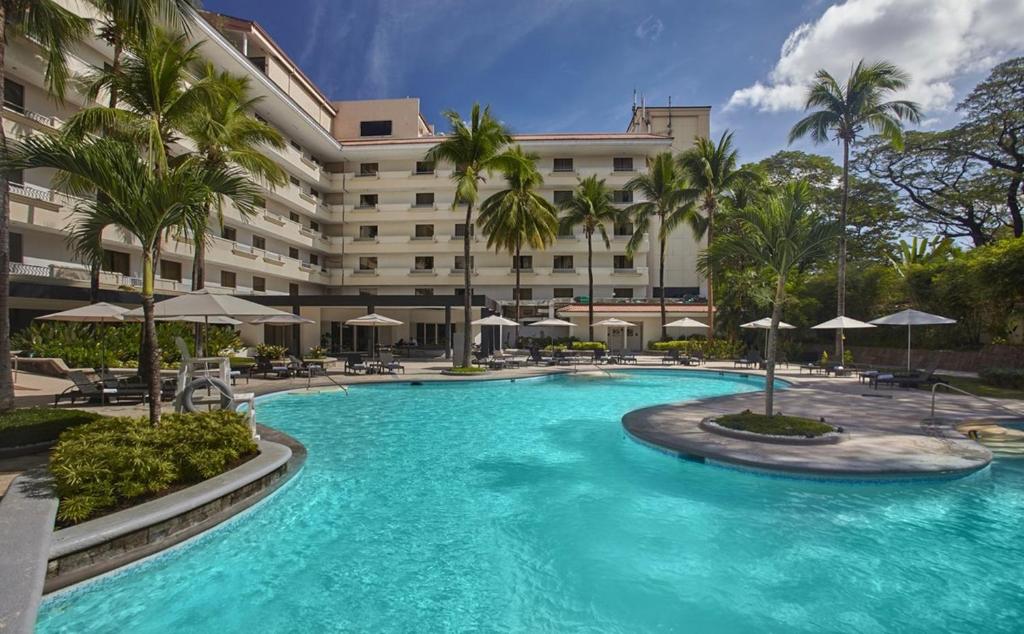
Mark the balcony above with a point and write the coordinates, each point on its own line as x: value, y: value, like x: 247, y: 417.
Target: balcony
x: 30, y: 119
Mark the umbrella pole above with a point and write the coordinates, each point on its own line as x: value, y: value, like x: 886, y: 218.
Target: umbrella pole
x: 908, y: 347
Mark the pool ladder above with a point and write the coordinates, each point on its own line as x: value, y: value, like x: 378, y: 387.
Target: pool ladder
x: 966, y: 393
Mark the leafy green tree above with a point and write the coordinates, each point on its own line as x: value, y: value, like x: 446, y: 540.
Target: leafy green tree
x: 519, y: 215
x: 591, y: 208
x: 843, y: 112
x: 920, y: 251
x: 56, y: 29
x: 667, y: 201
x: 476, y: 149
x: 714, y: 176
x: 781, y: 234
x: 141, y: 202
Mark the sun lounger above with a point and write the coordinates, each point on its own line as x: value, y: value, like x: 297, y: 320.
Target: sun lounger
x: 96, y: 391
x: 354, y: 363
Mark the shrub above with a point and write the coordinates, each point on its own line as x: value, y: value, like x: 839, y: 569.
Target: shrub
x: 777, y: 425
x: 269, y: 351
x: 710, y: 348
x: 39, y: 424
x: 589, y: 345
x: 114, y: 462
x: 316, y: 352
x: 1012, y: 378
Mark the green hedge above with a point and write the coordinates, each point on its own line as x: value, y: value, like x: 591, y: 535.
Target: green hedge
x: 39, y: 424
x: 589, y: 345
x: 710, y: 348
x: 115, y: 462
x: 1012, y: 378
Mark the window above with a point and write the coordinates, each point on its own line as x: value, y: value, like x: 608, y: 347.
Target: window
x: 259, y: 284
x: 425, y: 199
x: 367, y: 292
x: 298, y: 148
x: 563, y: 165
x: 14, y: 95
x: 117, y: 262
x: 424, y: 167
x: 367, y: 263
x: 565, y: 231
x: 459, y: 291
x: 16, y: 250
x: 293, y: 289
x: 620, y: 196
x: 562, y: 195
x: 622, y: 164
x: 522, y: 293
x: 315, y: 193
x: 367, y: 232
x: 314, y: 259
x: 294, y: 181
x: 314, y: 225
x: 525, y: 262
x: 260, y: 63
x: 170, y: 270
x: 229, y: 233
x: 294, y: 217
x: 424, y: 231
x: 293, y: 253
x: 16, y: 176
x: 424, y: 263
x: 227, y: 279
x: 367, y: 200
x: 460, y: 262
x: 623, y: 262
x: 374, y: 128
x: 623, y: 228
x: 563, y: 263
x: 563, y: 293
x: 460, y: 230
x: 622, y: 293
x: 368, y: 169
x: 259, y: 242
x: 423, y: 292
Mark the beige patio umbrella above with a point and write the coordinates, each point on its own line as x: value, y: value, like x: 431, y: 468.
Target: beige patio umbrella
x: 496, y: 320
x: 100, y: 313
x: 375, y: 321
x: 551, y: 321
x: 285, y: 319
x: 614, y: 322
x: 765, y: 324
x: 911, y: 317
x: 686, y: 322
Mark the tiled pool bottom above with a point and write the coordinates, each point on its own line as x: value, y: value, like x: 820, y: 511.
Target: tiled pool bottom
x: 522, y: 506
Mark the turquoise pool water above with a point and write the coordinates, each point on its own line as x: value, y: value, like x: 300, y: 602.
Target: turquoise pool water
x: 522, y: 507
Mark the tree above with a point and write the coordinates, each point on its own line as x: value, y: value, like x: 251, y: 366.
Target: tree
x: 992, y: 131
x: 55, y: 29
x: 782, y: 234
x: 920, y: 251
x: 476, y: 149
x: 139, y: 201
x: 519, y: 216
x: 590, y: 207
x: 714, y: 176
x: 665, y: 200
x: 844, y: 111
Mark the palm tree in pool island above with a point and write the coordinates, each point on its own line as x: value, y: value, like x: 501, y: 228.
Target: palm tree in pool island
x: 476, y: 149
x: 779, y: 233
x: 519, y: 216
x: 844, y: 110
x: 590, y: 207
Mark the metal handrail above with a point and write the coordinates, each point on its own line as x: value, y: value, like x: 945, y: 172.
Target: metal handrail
x: 966, y: 393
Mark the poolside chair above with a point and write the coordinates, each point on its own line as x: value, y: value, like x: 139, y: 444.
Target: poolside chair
x: 354, y: 363
x: 537, y: 357
x: 751, y: 360
x: 389, y: 363
x: 671, y: 357
x: 628, y: 357
x: 600, y: 356
x: 298, y: 367
x: 908, y: 380
x: 697, y: 358
x: 95, y: 391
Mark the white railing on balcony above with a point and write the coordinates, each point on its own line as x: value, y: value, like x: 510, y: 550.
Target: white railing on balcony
x: 42, y: 119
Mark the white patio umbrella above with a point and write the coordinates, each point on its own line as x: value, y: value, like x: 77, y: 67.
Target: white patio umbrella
x: 686, y: 322
x: 551, y: 321
x: 765, y: 324
x: 496, y: 320
x: 375, y: 321
x: 284, y: 319
x: 842, y: 323
x: 911, y: 317
x: 614, y: 322
x: 99, y: 313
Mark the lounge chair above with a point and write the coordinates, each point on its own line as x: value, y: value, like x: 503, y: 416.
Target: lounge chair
x: 748, y: 361
x: 298, y: 367
x: 354, y: 363
x: 628, y: 357
x: 671, y: 357
x: 907, y: 380
x: 267, y: 366
x: 388, y: 362
x: 600, y: 356
x: 95, y: 391
x: 538, y: 358
x: 697, y: 358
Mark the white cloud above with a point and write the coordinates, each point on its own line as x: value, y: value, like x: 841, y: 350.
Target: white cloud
x: 650, y: 28
x: 935, y: 41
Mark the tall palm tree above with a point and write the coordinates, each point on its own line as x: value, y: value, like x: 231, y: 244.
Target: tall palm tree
x: 843, y: 112
x: 590, y: 207
x: 714, y: 176
x: 139, y: 201
x: 519, y: 216
x: 782, y: 234
x: 56, y: 29
x: 667, y: 201
x: 476, y: 149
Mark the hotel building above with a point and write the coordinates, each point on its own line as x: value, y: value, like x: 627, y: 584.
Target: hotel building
x: 364, y: 223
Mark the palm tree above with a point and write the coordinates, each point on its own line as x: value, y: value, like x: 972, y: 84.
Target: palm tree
x: 139, y: 201
x: 56, y: 29
x: 591, y: 208
x: 714, y: 176
x: 519, y: 216
x: 844, y: 110
x: 782, y: 234
x: 476, y: 149
x: 665, y: 199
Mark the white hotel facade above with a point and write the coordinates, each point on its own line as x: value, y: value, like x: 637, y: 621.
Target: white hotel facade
x: 364, y: 224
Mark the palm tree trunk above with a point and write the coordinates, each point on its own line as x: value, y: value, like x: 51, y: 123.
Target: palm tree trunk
x: 590, y: 283
x: 198, y: 282
x: 6, y: 381
x: 94, y: 282
x: 710, y: 278
x: 661, y: 283
x: 518, y: 291
x: 773, y: 337
x: 841, y: 269
x: 151, y: 354
x: 94, y: 268
x: 467, y: 300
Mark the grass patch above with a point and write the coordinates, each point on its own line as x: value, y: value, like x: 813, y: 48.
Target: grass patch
x: 777, y: 425
x: 36, y: 425
x: 469, y: 369
x: 977, y: 386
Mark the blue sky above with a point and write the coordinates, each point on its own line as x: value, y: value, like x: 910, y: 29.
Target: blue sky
x: 572, y: 65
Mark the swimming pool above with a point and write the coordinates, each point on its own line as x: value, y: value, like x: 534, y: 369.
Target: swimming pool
x: 523, y: 507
